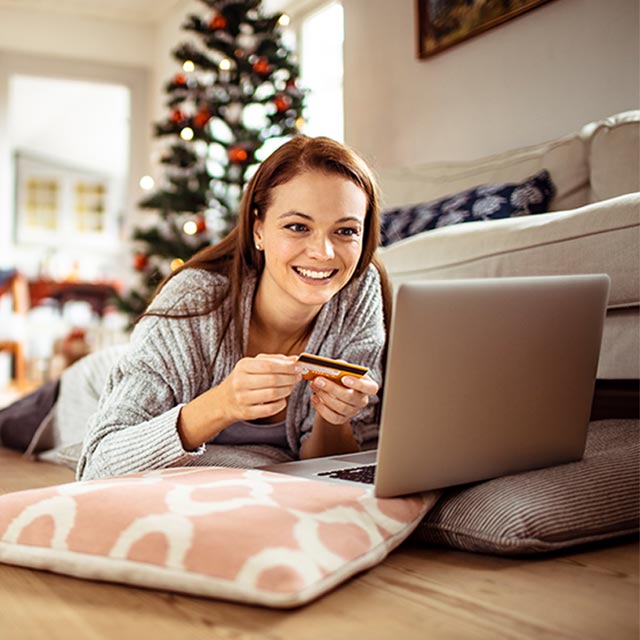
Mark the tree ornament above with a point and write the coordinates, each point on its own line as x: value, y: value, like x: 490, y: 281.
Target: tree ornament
x: 218, y: 22
x: 262, y: 66
x: 180, y: 79
x: 282, y: 102
x: 201, y: 225
x: 177, y: 116
x: 140, y: 261
x: 201, y: 118
x: 238, y: 154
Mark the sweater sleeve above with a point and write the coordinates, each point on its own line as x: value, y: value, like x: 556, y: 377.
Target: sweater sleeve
x: 166, y: 365
x: 362, y: 342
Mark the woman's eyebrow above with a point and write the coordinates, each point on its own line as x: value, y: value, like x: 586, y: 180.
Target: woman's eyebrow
x: 308, y: 217
x: 287, y: 214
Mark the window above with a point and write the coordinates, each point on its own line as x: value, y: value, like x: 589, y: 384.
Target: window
x: 321, y: 70
x: 57, y: 204
x: 42, y: 202
x: 89, y: 206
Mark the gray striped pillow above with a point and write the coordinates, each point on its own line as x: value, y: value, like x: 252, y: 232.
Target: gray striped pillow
x: 548, y: 509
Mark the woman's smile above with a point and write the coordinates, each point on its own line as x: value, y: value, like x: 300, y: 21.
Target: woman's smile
x: 316, y: 276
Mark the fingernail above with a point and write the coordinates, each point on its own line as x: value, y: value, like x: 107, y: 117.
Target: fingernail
x: 347, y: 381
x: 319, y: 382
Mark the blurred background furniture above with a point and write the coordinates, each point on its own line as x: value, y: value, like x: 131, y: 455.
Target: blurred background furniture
x: 14, y: 286
x: 97, y: 294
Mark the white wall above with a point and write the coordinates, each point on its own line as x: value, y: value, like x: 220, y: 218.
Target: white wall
x: 68, y: 36
x: 538, y: 76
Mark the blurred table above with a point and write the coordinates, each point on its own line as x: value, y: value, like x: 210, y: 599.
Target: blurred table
x: 97, y: 294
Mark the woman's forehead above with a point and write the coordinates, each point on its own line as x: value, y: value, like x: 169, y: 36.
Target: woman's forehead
x: 319, y: 188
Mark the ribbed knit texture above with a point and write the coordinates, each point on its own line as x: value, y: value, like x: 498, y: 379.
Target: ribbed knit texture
x: 593, y: 499
x: 171, y: 361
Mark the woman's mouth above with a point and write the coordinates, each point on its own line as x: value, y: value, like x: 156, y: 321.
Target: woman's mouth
x: 315, y: 274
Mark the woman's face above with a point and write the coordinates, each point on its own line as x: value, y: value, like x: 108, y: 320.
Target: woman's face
x: 311, y: 235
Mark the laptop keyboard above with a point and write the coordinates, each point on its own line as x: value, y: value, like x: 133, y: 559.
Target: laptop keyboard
x: 365, y: 474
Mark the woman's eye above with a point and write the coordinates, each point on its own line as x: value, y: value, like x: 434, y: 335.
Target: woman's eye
x: 349, y: 231
x: 297, y: 227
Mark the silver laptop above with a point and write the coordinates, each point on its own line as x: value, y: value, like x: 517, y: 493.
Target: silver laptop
x: 485, y: 377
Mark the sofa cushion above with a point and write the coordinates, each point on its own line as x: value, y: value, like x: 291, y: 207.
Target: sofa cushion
x: 614, y: 155
x: 564, y: 158
x: 245, y: 535
x: 483, y: 202
x: 594, y: 499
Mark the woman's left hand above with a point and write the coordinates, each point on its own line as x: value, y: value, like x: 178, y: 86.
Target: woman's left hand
x: 338, y: 402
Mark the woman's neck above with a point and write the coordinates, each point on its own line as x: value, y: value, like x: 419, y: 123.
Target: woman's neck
x: 276, y: 329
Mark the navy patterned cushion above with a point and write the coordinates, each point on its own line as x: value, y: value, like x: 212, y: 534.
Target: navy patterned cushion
x: 484, y: 202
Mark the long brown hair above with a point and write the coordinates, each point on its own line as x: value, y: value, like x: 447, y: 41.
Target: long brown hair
x: 236, y: 255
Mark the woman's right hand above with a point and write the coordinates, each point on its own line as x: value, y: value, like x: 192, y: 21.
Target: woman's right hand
x: 258, y: 387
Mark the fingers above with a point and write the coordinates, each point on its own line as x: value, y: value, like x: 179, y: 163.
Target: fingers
x: 338, y: 403
x: 259, y: 386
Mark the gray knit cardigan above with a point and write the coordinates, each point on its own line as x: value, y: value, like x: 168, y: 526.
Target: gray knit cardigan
x: 170, y: 361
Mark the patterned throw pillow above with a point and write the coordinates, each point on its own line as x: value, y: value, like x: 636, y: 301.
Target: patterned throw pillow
x: 485, y: 202
x: 245, y: 535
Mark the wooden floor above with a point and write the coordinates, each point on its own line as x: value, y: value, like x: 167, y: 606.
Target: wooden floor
x: 418, y: 592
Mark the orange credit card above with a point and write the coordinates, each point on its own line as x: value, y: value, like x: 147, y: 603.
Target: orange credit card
x: 314, y: 366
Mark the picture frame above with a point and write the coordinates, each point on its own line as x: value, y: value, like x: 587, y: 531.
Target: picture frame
x: 444, y: 23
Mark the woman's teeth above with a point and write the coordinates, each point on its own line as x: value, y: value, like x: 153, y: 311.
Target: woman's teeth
x: 316, y: 275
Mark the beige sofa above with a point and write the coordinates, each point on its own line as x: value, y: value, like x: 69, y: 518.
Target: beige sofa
x: 593, y: 226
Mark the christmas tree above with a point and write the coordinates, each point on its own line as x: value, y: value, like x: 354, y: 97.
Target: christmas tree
x: 235, y: 99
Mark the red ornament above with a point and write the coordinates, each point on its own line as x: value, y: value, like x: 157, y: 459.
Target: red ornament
x: 140, y: 261
x: 201, y: 118
x: 282, y: 102
x: 180, y: 79
x: 262, y: 66
x: 177, y: 116
x: 218, y: 22
x: 201, y: 225
x: 238, y: 154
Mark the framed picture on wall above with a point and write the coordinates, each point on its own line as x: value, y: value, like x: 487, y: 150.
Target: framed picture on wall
x: 444, y: 23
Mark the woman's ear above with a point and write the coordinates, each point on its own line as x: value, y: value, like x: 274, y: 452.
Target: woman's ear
x: 257, y: 233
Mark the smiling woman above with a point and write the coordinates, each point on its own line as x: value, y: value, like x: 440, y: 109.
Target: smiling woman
x: 211, y: 373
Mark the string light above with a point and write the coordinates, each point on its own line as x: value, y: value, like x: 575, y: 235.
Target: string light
x: 225, y: 64
x: 190, y: 228
x: 146, y: 183
x: 188, y: 66
x: 175, y: 263
x: 187, y: 133
x: 284, y: 20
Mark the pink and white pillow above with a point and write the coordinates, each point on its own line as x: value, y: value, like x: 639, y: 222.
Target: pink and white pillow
x: 245, y: 535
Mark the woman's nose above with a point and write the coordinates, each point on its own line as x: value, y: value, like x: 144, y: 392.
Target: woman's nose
x: 322, y: 248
